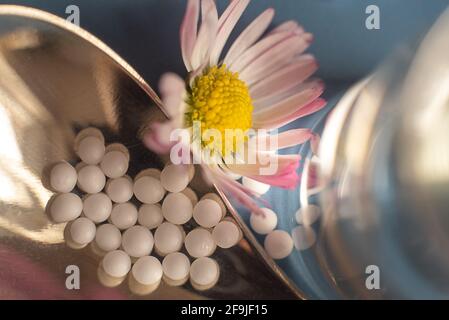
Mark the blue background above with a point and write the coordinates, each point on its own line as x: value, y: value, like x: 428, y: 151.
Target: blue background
x: 145, y: 32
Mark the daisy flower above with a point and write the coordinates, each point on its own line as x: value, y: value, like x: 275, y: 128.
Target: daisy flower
x: 261, y: 82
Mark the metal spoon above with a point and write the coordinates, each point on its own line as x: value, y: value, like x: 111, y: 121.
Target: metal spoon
x: 56, y: 79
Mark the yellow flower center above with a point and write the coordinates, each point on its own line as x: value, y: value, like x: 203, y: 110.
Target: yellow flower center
x: 220, y: 100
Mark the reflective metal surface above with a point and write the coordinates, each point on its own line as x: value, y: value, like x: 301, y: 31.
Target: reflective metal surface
x: 56, y: 79
x: 385, y: 174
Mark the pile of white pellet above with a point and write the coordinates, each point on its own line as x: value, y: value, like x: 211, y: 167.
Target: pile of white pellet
x: 134, y: 224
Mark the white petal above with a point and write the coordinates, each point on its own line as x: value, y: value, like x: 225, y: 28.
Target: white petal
x: 250, y: 35
x: 171, y: 88
x: 257, y: 49
x: 282, y: 140
x: 226, y: 24
x: 206, y: 35
x: 289, y: 25
x: 288, y: 106
x: 157, y: 136
x: 188, y: 31
x: 262, y: 66
x: 276, y: 98
x: 285, y: 78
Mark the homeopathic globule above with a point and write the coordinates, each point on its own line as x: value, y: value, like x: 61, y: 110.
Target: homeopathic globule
x: 132, y: 223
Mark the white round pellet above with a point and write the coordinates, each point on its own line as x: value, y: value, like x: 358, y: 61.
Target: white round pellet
x: 124, y: 215
x: 116, y: 263
x: 199, y: 243
x: 88, y: 132
x: 256, y: 186
x: 63, y: 177
x: 91, y: 179
x: 97, y: 207
x: 177, y: 208
x: 108, y: 237
x: 278, y: 244
x: 82, y: 231
x: 175, y: 178
x: 91, y: 150
x: 120, y: 190
x: 150, y: 172
x: 114, y: 164
x: 148, y: 190
x: 118, y: 147
x: 137, y: 241
x: 176, y: 266
x: 226, y: 234
x: 303, y: 237
x: 217, y: 199
x: 207, y: 213
x: 263, y: 224
x: 147, y: 270
x: 150, y: 215
x: 168, y: 238
x: 204, y: 271
x: 65, y: 207
x: 191, y: 195
x: 307, y: 215
x: 79, y: 166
